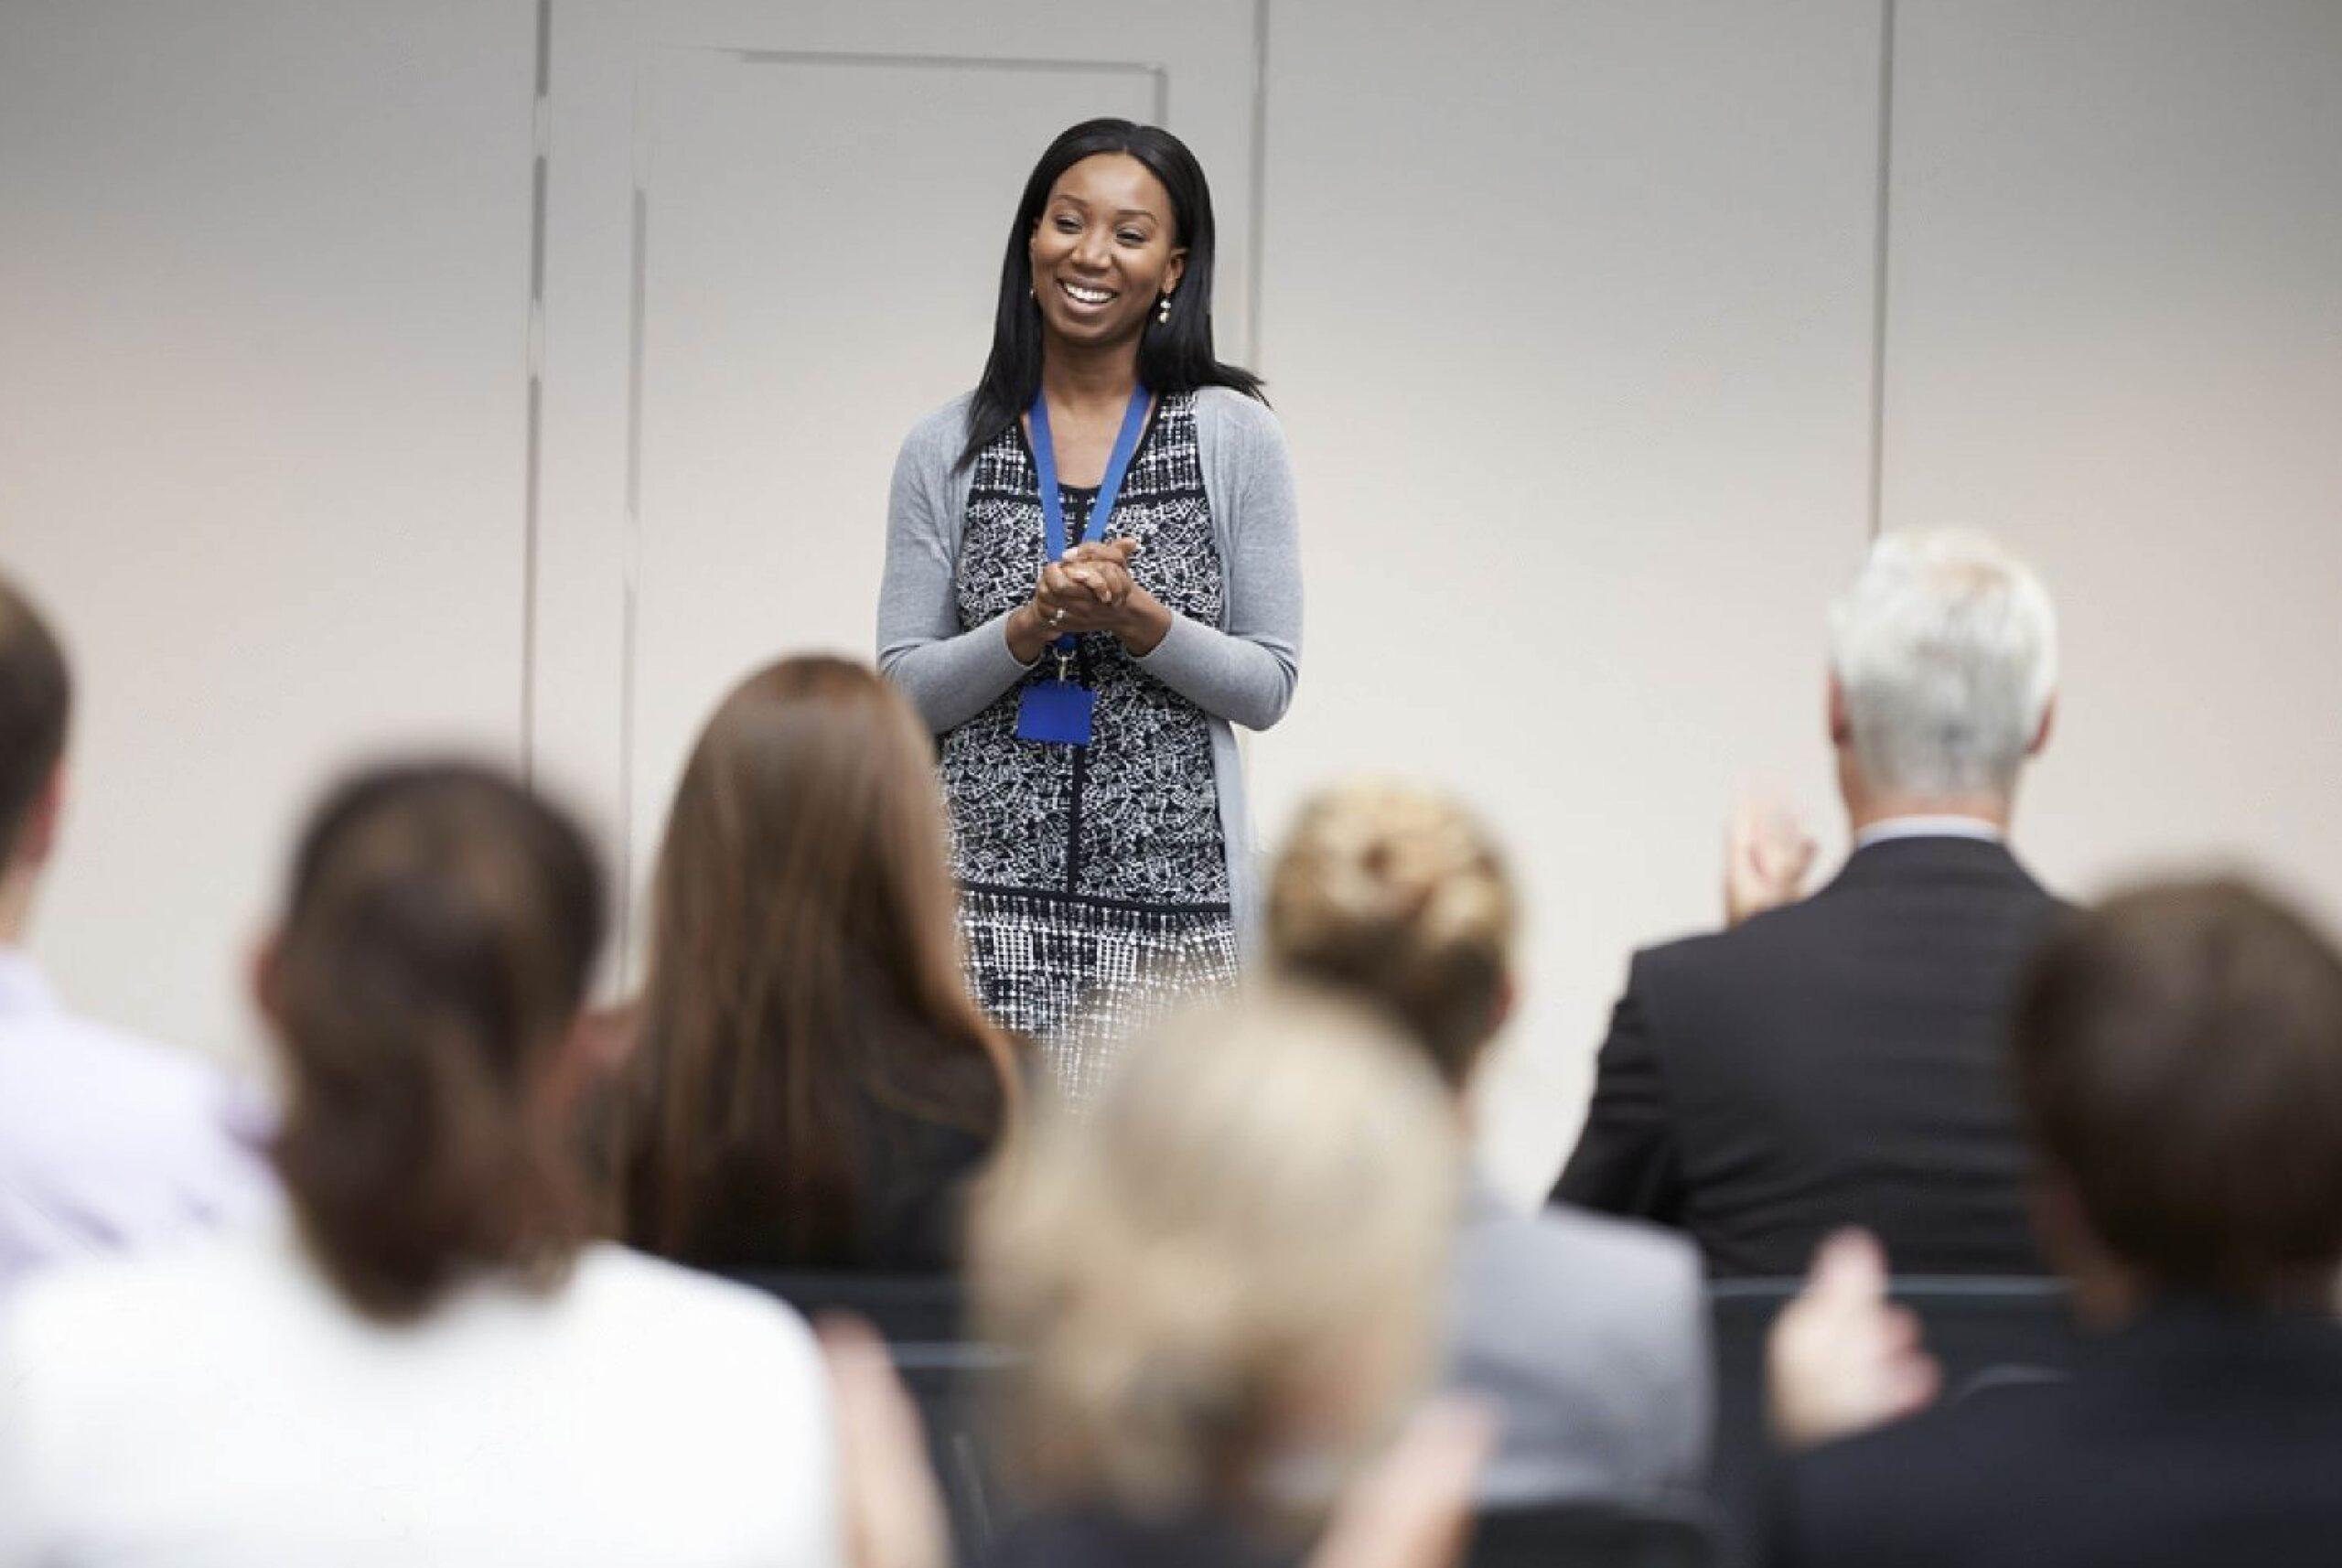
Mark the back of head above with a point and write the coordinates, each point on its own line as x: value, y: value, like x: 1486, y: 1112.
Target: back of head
x: 1232, y: 1257
x: 804, y: 962
x: 1398, y: 896
x: 1945, y: 649
x: 35, y: 701
x: 436, y: 943
x: 2179, y: 1056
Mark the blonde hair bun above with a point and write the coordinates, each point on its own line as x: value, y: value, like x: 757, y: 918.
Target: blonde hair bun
x: 1397, y: 893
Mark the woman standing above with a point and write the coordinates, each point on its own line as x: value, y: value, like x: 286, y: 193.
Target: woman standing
x: 1091, y: 574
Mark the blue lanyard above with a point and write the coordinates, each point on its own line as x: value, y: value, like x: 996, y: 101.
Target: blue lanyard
x: 1044, y: 460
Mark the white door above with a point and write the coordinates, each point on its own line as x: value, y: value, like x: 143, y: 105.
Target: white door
x: 773, y: 240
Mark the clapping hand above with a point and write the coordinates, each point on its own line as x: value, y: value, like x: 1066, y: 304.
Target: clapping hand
x: 1767, y: 855
x: 1841, y: 1358
x: 1413, y: 1509
x: 891, y: 1510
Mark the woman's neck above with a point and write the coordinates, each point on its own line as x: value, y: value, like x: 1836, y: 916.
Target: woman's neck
x: 1084, y: 377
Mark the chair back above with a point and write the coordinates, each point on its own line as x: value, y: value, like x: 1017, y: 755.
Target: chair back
x: 910, y: 1308
x: 952, y: 1381
x: 1587, y: 1535
x: 1988, y: 1333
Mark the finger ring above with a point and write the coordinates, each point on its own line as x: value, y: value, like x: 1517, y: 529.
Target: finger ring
x: 1055, y: 617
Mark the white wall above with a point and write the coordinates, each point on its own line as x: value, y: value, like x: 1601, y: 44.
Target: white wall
x: 1568, y: 312
x: 2115, y: 336
x: 1571, y: 312
x: 264, y: 286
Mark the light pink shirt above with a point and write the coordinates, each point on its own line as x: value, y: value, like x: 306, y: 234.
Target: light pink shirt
x: 108, y: 1142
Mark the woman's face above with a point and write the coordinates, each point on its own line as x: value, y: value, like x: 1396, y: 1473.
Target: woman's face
x: 1102, y: 253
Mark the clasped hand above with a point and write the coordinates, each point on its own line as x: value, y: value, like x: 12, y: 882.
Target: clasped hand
x: 1087, y: 589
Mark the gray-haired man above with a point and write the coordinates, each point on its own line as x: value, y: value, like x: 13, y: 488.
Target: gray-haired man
x: 1838, y: 1060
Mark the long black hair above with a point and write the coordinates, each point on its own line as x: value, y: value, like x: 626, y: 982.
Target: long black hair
x: 1174, y: 356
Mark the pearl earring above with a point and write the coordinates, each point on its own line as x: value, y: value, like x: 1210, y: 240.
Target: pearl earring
x: 1163, y: 311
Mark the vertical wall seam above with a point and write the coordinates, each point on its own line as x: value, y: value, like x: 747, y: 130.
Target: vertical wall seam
x: 628, y: 613
x: 1257, y: 217
x: 533, y: 459
x: 1879, y: 267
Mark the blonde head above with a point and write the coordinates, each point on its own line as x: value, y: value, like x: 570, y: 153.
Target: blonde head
x: 1398, y: 895
x: 1231, y: 1260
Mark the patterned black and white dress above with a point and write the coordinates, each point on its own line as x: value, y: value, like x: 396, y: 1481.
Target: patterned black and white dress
x: 1095, y: 884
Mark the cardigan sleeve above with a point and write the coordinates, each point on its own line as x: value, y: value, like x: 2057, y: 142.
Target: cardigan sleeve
x: 1246, y: 673
x: 950, y: 675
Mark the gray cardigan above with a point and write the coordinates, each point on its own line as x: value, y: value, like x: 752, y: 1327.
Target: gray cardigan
x: 1239, y: 672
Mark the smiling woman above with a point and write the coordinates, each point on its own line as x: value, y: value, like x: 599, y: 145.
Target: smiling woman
x: 1091, y: 574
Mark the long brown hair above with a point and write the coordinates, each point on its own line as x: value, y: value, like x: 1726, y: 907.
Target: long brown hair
x: 804, y: 967
x: 436, y: 945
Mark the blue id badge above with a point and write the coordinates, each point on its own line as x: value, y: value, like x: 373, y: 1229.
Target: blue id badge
x: 1057, y: 712
x: 1054, y: 712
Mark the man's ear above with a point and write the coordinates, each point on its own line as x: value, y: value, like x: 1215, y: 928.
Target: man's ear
x: 261, y: 979
x: 2049, y: 722
x: 2056, y: 1211
x: 1841, y: 729
x: 2103, y: 1290
x: 36, y: 837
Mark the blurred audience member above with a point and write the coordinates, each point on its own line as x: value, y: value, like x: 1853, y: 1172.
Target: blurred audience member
x: 813, y: 1085
x: 1225, y: 1277
x: 425, y: 1365
x: 1411, y: 1508
x: 1838, y: 1060
x: 106, y: 1141
x: 2179, y: 1061
x: 1591, y: 1334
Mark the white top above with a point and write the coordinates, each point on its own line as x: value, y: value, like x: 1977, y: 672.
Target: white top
x: 108, y: 1142
x: 219, y: 1404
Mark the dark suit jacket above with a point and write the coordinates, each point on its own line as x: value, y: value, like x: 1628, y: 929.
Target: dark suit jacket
x: 2196, y: 1438
x: 1835, y: 1061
